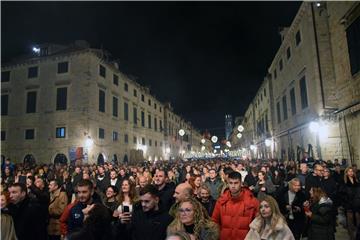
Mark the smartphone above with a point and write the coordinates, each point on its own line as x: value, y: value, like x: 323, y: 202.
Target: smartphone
x: 126, y: 209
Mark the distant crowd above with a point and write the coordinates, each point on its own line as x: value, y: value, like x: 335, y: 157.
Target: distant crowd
x: 180, y: 200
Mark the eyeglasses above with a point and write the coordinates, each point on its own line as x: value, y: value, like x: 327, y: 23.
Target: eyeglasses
x: 185, y: 210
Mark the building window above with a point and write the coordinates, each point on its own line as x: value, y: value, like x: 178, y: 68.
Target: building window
x: 161, y: 144
x: 149, y: 102
x: 116, y: 80
x: 4, y: 105
x: 3, y: 135
x: 101, y: 133
x: 155, y: 106
x: 135, y: 115
x: 126, y: 87
x: 115, y: 136
x: 31, y: 102
x: 143, y: 141
x: 135, y: 93
x: 155, y: 143
x: 298, y: 38
x: 150, y: 142
x: 61, y: 98
x: 63, y: 67
x: 126, y: 138
x: 278, y: 112
x: 142, y: 119
x: 160, y: 109
x: 5, y: 76
x: 293, y: 101
x: 33, y: 72
x: 126, y: 111
x: 142, y: 98
x: 275, y: 74
x: 284, y: 107
x: 155, y: 124
x: 266, y: 122
x: 264, y: 92
x: 288, y: 53
x: 101, y: 100
x: 60, y: 132
x: 353, y: 40
x: 160, y: 123
x: 115, y: 106
x: 149, y: 121
x: 135, y: 140
x: 29, y: 134
x: 102, y: 71
x: 303, y: 93
x: 281, y: 64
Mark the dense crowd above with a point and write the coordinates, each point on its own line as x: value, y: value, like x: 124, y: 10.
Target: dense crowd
x: 197, y: 200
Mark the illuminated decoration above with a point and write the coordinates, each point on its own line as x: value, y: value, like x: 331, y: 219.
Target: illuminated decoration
x: 167, y: 150
x: 214, y: 150
x: 268, y: 142
x: 36, y: 50
x: 240, y: 128
x: 89, y: 142
x: 228, y: 143
x: 203, y: 141
x: 203, y: 148
x: 226, y: 150
x: 181, y: 132
x: 314, y: 127
x: 253, y: 147
x: 214, y: 139
x: 239, y: 135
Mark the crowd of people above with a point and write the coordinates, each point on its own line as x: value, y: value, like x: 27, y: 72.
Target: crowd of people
x: 180, y: 200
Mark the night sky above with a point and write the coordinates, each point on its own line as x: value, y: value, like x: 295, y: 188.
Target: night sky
x: 206, y: 58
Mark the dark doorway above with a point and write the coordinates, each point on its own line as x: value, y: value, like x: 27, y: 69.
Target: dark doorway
x: 100, y: 159
x: 60, y: 159
x: 29, y: 160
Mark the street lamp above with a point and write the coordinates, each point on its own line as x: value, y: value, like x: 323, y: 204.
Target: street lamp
x: 203, y: 141
x: 181, y: 132
x: 268, y: 142
x: 89, y: 142
x: 239, y: 135
x: 240, y: 128
x: 214, y: 139
x: 203, y: 148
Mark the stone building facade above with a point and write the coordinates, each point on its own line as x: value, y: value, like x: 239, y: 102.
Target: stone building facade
x: 72, y: 102
x: 314, y: 86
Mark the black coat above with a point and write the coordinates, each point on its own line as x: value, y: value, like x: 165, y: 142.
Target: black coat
x: 322, y: 222
x: 209, y: 206
x: 311, y: 181
x: 166, y: 197
x: 29, y: 220
x: 150, y: 225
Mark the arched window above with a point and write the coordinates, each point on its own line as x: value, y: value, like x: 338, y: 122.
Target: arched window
x: 2, y: 159
x: 115, y: 159
x: 100, y: 159
x: 60, y: 159
x: 126, y: 160
x: 29, y: 160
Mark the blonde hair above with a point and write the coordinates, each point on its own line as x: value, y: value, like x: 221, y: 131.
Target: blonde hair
x: 276, y: 215
x: 201, y: 220
x: 346, y: 177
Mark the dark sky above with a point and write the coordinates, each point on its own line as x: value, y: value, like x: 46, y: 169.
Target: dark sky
x: 206, y: 58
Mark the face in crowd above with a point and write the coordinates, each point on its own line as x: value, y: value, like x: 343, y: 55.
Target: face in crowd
x: 53, y: 186
x: 319, y: 170
x: 110, y: 193
x: 197, y: 181
x: 265, y: 209
x: 142, y: 181
x: 295, y: 186
x: 125, y: 186
x: 205, y: 195
x: 84, y: 194
x: 149, y: 202
x: 113, y: 175
x: 181, y: 192
x: 186, y: 213
x: 16, y: 194
x: 159, y: 178
x: 234, y: 186
x: 212, y: 174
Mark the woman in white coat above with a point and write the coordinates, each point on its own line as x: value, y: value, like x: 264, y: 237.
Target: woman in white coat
x: 270, y: 224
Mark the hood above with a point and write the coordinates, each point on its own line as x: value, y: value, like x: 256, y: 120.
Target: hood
x: 325, y: 200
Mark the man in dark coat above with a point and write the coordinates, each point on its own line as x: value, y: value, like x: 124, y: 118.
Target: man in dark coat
x: 291, y: 200
x: 147, y: 222
x: 166, y: 190
x: 314, y: 180
x: 29, y: 220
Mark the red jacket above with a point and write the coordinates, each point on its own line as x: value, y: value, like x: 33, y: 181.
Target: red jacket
x: 65, y: 216
x: 234, y: 215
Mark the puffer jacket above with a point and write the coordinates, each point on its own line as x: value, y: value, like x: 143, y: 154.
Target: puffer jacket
x: 322, y: 220
x: 234, y: 215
